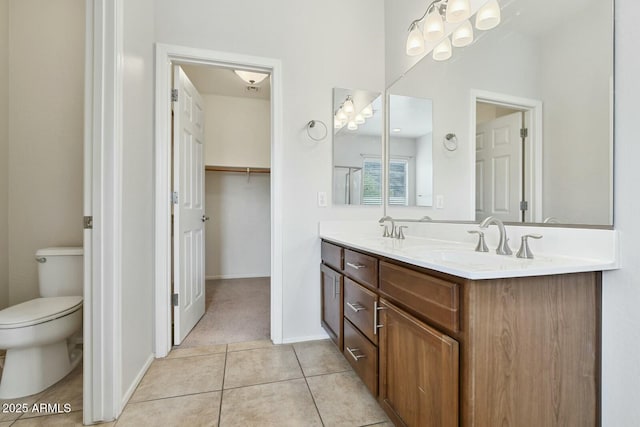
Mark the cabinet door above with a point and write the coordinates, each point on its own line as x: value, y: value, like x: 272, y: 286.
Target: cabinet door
x: 332, y: 283
x: 418, y: 371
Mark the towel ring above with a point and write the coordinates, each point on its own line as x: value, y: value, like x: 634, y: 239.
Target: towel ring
x: 313, y: 124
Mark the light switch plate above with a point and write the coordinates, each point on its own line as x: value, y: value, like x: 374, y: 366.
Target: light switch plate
x: 439, y: 201
x: 322, y: 199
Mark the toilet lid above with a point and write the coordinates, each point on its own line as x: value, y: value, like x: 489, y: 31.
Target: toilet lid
x: 38, y: 310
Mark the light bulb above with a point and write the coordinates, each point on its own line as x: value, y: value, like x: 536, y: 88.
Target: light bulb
x: 433, y: 26
x: 458, y: 11
x: 415, y: 41
x: 463, y: 35
x: 352, y: 125
x: 367, y: 111
x: 488, y: 16
x: 442, y: 52
x: 348, y: 107
x: 359, y: 119
x: 341, y: 115
x: 337, y: 123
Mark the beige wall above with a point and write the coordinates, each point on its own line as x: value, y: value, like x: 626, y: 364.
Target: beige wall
x: 237, y: 131
x: 46, y: 81
x: 4, y: 151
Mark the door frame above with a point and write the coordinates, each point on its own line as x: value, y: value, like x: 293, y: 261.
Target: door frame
x: 533, y: 112
x: 166, y: 55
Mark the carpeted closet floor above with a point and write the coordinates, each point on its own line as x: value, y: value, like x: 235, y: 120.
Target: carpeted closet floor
x: 237, y: 310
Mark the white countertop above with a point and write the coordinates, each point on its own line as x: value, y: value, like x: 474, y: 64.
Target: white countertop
x: 457, y: 256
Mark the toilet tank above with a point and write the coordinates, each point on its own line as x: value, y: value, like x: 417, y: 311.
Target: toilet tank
x: 60, y: 271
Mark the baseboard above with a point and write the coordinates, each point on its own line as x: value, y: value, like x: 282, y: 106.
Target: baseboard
x: 136, y: 381
x: 324, y: 336
x: 237, y: 276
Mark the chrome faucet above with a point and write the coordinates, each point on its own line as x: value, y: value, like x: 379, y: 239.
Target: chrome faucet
x: 393, y: 225
x: 503, y: 246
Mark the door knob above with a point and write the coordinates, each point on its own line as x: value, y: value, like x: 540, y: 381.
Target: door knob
x: 205, y: 218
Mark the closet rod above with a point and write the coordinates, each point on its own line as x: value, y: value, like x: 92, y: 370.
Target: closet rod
x: 236, y: 169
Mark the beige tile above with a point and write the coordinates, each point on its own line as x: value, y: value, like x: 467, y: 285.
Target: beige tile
x: 286, y: 403
x: 259, y: 366
x: 68, y: 391
x: 197, y: 351
x: 6, y: 423
x: 343, y: 400
x: 320, y: 357
x: 249, y: 345
x: 17, y: 407
x: 194, y: 411
x: 63, y: 420
x: 176, y: 377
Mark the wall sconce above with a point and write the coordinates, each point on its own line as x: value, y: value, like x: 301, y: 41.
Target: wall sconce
x: 348, y: 115
x: 453, y: 12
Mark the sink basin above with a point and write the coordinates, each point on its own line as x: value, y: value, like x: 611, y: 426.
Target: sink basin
x: 472, y: 260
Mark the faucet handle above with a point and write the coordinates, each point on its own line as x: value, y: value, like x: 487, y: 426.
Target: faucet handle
x: 481, y: 246
x: 385, y: 233
x: 524, y: 251
x: 400, y: 234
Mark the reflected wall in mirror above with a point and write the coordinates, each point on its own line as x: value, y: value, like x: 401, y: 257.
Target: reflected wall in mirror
x: 410, y: 160
x: 552, y: 61
x: 357, y: 147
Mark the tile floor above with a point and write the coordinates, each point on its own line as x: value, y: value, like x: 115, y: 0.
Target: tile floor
x: 243, y: 384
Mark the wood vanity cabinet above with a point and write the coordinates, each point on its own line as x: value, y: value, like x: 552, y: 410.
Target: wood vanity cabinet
x: 332, y: 283
x: 440, y: 350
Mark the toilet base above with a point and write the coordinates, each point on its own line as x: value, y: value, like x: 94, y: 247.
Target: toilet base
x: 30, y: 370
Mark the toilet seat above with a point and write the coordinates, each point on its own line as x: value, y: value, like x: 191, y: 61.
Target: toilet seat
x: 38, y: 310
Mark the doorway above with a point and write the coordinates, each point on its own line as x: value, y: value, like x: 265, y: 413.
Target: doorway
x: 166, y: 56
x: 507, y: 157
x: 221, y: 181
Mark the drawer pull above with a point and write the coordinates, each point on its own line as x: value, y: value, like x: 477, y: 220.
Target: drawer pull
x: 375, y: 317
x: 356, y: 357
x: 356, y: 266
x: 356, y: 306
x: 336, y: 289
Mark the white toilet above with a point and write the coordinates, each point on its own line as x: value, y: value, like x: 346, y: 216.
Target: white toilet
x: 39, y: 334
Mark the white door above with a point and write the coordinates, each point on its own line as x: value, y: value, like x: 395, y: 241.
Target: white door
x: 188, y: 211
x: 498, y: 168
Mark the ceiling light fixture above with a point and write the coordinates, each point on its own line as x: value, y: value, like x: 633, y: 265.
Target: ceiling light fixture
x: 440, y: 12
x: 251, y: 77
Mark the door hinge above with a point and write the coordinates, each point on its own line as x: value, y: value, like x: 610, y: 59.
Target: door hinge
x: 174, y: 197
x: 524, y: 205
x: 87, y: 222
x: 174, y: 95
x: 524, y: 132
x: 174, y: 299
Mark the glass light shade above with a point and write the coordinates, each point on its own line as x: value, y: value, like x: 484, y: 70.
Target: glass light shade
x: 352, y: 125
x: 433, y: 26
x: 367, y: 111
x: 341, y: 115
x: 348, y: 107
x: 415, y: 41
x: 488, y: 16
x: 359, y: 119
x: 458, y: 11
x: 251, y: 77
x: 442, y: 52
x: 337, y: 123
x: 463, y: 35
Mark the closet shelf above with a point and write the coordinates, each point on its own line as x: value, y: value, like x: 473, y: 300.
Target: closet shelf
x: 236, y: 169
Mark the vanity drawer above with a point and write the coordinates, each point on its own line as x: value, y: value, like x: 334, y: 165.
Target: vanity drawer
x: 362, y: 355
x: 332, y: 255
x: 436, y: 299
x: 361, y: 267
x: 359, y: 306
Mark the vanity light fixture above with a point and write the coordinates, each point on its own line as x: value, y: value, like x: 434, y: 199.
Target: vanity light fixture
x: 341, y: 115
x: 251, y: 77
x: 367, y: 111
x: 337, y: 124
x: 453, y: 12
x: 348, y: 106
x: 352, y: 125
x: 348, y: 114
x: 359, y: 119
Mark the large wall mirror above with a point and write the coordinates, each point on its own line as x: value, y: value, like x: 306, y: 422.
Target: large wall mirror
x: 358, y: 171
x: 530, y: 107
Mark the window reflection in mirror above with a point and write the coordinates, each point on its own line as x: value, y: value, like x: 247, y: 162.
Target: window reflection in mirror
x: 357, y: 147
x: 410, y: 151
